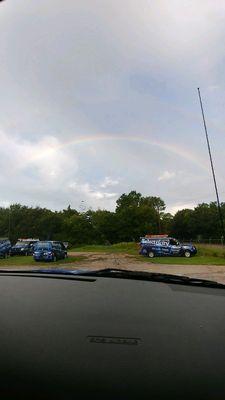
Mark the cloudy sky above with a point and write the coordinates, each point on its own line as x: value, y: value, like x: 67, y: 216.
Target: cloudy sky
x: 99, y: 97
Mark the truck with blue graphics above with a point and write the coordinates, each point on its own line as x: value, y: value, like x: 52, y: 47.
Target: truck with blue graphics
x: 162, y: 245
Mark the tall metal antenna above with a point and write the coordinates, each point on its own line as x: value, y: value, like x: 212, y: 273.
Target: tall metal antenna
x: 9, y: 222
x: 212, y: 167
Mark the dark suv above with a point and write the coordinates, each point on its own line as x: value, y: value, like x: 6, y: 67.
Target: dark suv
x: 64, y: 246
x: 48, y: 251
x: 23, y: 248
x: 5, y: 246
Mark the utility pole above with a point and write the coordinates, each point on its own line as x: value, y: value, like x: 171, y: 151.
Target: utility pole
x: 9, y: 222
x: 212, y: 167
x: 159, y: 221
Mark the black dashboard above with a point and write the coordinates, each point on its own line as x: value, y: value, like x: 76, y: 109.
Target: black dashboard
x: 67, y: 337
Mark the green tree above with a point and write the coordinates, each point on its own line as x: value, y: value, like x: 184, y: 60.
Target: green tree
x: 105, y: 226
x: 206, y: 221
x: 166, y: 222
x: 138, y: 215
x: 183, y: 224
x: 129, y: 200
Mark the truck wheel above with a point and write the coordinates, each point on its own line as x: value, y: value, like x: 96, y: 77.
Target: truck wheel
x: 151, y: 254
x: 187, y: 254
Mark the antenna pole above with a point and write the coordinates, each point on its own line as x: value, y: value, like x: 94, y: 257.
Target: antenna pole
x: 212, y: 166
x: 9, y: 222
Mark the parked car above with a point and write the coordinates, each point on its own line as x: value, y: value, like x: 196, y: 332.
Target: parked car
x: 152, y: 246
x: 64, y: 246
x: 23, y: 247
x: 48, y: 251
x: 5, y: 246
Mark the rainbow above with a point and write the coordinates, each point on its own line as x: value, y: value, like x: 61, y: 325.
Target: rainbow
x: 171, y: 148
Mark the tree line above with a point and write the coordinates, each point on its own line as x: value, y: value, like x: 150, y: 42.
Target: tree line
x: 135, y: 215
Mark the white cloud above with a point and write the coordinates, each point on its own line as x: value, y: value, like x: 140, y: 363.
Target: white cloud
x: 213, y: 87
x: 180, y: 206
x: 89, y: 191
x: 166, y: 175
x: 4, y: 204
x: 109, y: 182
x: 19, y: 157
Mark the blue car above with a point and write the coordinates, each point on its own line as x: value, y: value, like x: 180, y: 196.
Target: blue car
x: 165, y: 246
x: 5, y: 247
x: 48, y: 251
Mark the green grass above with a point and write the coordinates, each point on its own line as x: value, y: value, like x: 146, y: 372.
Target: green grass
x: 211, y: 250
x: 207, y: 254
x: 20, y: 261
x: 124, y: 247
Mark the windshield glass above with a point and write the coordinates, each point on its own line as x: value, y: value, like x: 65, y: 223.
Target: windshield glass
x: 42, y: 246
x: 103, y: 145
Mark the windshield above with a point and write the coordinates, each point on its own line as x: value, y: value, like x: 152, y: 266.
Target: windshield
x: 104, y: 153
x: 42, y: 246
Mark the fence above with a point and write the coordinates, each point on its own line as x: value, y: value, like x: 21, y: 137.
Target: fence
x: 200, y: 240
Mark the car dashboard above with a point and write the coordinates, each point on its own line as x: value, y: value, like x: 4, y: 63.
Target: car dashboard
x: 68, y: 336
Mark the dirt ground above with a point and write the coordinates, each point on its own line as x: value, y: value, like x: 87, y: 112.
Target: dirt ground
x: 101, y: 260
x: 125, y: 261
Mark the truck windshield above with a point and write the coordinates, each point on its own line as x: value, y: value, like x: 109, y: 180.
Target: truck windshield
x: 102, y: 143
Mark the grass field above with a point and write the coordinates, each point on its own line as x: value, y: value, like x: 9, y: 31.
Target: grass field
x: 124, y: 247
x: 20, y: 261
x: 207, y: 254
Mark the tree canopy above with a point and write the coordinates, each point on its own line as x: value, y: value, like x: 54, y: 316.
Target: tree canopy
x: 135, y: 215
